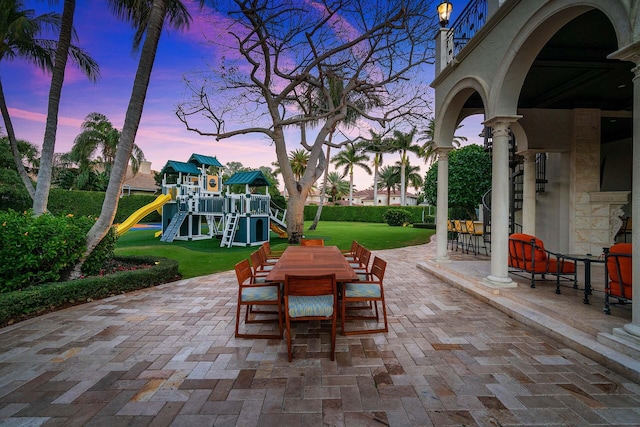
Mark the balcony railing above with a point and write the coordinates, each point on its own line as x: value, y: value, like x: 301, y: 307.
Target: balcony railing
x: 463, y: 29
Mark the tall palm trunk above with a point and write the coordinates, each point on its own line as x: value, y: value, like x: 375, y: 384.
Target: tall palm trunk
x: 351, y: 186
x: 403, y: 184
x: 129, y: 129
x: 43, y: 184
x: 13, y: 142
x: 375, y: 183
x: 316, y: 219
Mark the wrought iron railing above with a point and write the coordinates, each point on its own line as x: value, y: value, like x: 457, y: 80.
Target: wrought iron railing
x: 463, y: 29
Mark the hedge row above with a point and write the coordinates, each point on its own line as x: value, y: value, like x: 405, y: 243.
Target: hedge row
x: 83, y: 203
x: 363, y: 213
x: 36, y: 300
x: 89, y: 203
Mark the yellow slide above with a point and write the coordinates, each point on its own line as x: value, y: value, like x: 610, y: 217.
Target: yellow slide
x: 276, y: 228
x: 141, y: 213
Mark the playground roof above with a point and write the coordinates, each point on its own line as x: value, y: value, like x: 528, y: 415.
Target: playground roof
x: 201, y: 159
x: 174, y: 166
x: 253, y: 178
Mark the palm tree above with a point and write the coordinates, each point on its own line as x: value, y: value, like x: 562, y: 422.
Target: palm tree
x: 376, y: 146
x: 149, y: 19
x: 336, y: 186
x: 20, y: 32
x: 349, y: 158
x: 298, y: 159
x: 323, y: 103
x: 429, y: 146
x: 411, y: 174
x: 98, y: 134
x: 403, y: 143
x: 63, y: 50
x: 388, y: 180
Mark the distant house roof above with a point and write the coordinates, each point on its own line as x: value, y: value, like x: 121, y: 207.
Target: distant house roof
x: 174, y: 166
x: 252, y: 178
x: 202, y: 160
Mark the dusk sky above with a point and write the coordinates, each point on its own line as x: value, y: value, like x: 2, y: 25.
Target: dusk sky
x: 161, y: 135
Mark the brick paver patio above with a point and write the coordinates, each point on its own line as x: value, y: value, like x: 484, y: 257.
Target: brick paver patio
x: 167, y: 356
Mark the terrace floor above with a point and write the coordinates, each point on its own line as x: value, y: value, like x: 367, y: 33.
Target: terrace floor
x: 455, y: 354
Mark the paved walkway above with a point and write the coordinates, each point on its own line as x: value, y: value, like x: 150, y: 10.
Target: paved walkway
x: 167, y: 356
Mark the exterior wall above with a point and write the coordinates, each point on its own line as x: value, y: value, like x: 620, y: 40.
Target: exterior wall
x: 552, y: 207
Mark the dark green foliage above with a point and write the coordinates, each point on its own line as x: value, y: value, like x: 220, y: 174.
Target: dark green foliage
x: 101, y: 254
x: 359, y: 213
x: 35, y: 250
x: 36, y: 300
x: 89, y: 203
x: 397, y: 217
x: 13, y: 194
x: 469, y: 179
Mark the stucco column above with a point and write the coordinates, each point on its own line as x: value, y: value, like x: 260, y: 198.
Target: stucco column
x: 633, y: 328
x: 500, y: 179
x: 442, y: 208
x: 632, y: 53
x: 529, y: 194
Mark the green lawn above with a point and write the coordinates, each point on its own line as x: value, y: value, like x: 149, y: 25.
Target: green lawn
x: 203, y: 257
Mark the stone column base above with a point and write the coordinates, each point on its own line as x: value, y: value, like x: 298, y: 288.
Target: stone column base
x: 499, y: 282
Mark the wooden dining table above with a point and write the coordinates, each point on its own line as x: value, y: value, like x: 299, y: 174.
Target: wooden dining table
x: 312, y: 260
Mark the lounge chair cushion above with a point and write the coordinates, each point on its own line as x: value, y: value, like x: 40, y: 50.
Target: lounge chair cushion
x: 625, y: 271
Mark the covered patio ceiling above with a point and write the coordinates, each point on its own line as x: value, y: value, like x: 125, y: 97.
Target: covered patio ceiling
x: 572, y: 71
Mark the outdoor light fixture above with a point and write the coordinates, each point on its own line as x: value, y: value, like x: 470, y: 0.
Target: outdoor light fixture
x: 444, y: 12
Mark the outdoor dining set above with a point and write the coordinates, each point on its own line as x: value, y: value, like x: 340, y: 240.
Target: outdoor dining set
x: 310, y: 282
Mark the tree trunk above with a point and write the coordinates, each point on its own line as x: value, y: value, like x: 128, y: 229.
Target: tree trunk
x: 57, y: 79
x: 351, y: 187
x: 295, y: 216
x: 129, y: 130
x: 375, y: 184
x: 402, y: 183
x: 13, y: 143
x: 316, y: 219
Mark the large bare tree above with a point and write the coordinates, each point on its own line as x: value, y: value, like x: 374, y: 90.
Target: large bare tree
x: 279, y: 55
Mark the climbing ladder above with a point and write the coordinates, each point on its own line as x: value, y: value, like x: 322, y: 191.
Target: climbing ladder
x: 174, y: 226
x: 230, y: 230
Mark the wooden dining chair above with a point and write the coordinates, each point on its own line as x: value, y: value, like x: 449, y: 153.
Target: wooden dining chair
x: 311, y: 298
x: 260, y: 271
x: 350, y: 253
x: 370, y: 290
x: 270, y: 253
x: 252, y: 294
x: 361, y: 266
x: 311, y: 242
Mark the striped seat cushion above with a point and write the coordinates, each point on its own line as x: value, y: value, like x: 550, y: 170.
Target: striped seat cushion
x: 316, y: 305
x: 262, y: 293
x: 362, y: 290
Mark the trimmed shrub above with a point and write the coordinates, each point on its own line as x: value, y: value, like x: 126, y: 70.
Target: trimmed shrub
x: 397, y: 217
x: 35, y: 250
x: 36, y: 300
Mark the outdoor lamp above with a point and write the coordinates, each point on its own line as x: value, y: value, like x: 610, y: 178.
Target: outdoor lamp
x: 444, y: 12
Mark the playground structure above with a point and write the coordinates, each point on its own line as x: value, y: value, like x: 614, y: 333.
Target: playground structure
x: 195, y: 207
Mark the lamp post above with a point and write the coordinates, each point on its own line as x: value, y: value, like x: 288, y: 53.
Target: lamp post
x: 444, y: 12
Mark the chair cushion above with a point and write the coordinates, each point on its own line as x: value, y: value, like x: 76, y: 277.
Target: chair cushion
x: 614, y: 290
x: 362, y: 290
x: 567, y: 266
x: 261, y: 293
x: 539, y: 253
x: 308, y: 306
x: 625, y: 270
